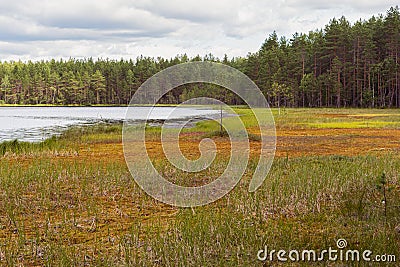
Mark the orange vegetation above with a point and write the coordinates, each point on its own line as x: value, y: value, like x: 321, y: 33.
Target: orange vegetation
x: 290, y: 142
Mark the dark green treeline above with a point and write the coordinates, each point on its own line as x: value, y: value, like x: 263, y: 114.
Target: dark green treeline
x: 342, y: 65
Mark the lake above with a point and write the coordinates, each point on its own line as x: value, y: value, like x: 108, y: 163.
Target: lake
x: 34, y: 124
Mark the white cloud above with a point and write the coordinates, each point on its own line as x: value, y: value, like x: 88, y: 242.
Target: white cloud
x: 31, y: 29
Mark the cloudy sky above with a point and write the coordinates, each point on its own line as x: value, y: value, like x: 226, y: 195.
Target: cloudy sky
x: 31, y: 29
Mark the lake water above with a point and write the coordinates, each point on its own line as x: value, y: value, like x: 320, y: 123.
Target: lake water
x: 38, y: 123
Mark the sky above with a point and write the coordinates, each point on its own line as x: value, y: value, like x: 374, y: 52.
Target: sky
x: 114, y: 29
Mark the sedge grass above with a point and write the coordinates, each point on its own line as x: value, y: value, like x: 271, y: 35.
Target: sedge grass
x: 59, y: 210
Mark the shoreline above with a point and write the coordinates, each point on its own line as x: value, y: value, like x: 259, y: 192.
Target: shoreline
x: 57, y: 130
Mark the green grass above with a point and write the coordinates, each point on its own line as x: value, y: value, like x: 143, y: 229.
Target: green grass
x: 67, y: 141
x: 355, y: 124
x: 95, y: 133
x: 305, y: 203
x: 72, y: 211
x: 18, y: 147
x: 316, y: 118
x: 337, y: 118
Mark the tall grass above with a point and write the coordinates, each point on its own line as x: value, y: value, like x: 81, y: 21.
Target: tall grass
x: 18, y: 147
x: 62, y: 213
x: 66, y: 141
x: 305, y: 203
x: 88, y: 211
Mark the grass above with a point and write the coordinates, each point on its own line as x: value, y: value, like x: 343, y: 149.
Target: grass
x: 17, y: 147
x: 71, y: 200
x: 356, y: 124
x: 338, y: 118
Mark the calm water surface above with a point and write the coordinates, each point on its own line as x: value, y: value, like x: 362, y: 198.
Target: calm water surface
x: 38, y: 123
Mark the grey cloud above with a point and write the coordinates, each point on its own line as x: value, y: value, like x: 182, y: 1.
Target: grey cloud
x: 7, y: 49
x: 206, y: 11
x: 47, y: 20
x: 15, y: 30
x: 117, y: 18
x: 115, y: 28
x: 357, y: 5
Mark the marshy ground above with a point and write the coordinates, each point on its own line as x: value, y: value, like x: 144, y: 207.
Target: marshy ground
x: 72, y: 201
